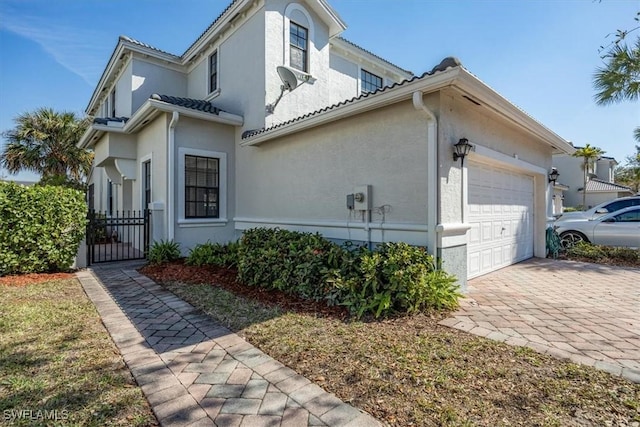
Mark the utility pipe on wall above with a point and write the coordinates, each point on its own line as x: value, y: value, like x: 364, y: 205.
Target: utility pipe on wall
x: 171, y: 209
x: 432, y: 171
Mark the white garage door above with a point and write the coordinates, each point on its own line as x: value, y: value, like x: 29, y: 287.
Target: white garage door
x: 501, y: 218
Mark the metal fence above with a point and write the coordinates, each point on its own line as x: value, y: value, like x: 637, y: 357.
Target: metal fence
x: 119, y: 236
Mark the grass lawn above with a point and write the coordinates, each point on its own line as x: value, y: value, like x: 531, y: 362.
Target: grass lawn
x: 58, y: 365
x: 412, y: 371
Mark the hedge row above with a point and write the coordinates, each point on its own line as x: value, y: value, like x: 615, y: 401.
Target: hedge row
x: 40, y: 227
x: 393, y: 278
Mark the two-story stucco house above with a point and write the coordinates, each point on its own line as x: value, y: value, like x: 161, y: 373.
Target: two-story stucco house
x: 601, y: 186
x: 214, y: 143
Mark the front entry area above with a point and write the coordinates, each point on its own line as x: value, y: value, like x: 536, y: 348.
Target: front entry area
x: 500, y: 212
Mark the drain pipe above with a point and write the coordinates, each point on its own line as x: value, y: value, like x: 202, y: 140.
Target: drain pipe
x: 170, y: 175
x: 432, y: 172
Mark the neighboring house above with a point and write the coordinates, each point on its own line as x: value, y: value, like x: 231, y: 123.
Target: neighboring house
x: 601, y: 185
x: 25, y: 183
x: 558, y: 198
x: 196, y: 138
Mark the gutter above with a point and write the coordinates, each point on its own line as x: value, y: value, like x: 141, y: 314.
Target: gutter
x: 175, y: 116
x: 432, y: 172
x: 390, y: 96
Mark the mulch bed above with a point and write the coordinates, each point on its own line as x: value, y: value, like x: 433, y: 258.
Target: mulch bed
x: 33, y: 278
x: 226, y: 278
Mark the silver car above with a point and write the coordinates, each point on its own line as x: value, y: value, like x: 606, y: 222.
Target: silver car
x: 620, y: 228
x: 603, y: 208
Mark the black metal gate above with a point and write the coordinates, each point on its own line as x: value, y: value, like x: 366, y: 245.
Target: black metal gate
x: 117, y: 237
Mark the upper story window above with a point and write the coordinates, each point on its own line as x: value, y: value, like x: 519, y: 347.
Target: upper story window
x: 213, y: 72
x: 112, y: 103
x: 298, y: 46
x: 201, y: 187
x: 369, y: 82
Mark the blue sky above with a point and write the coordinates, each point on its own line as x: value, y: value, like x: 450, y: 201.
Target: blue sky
x: 538, y: 54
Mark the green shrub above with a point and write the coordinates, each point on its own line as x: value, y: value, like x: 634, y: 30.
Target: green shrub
x: 394, y: 278
x: 163, y: 251
x: 214, y: 254
x: 603, y: 253
x: 40, y: 227
x: 288, y: 261
x: 587, y: 250
x: 624, y: 254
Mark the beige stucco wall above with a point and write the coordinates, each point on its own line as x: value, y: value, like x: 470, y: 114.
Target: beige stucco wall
x: 201, y: 135
x: 306, y: 176
x: 152, y: 145
x: 153, y: 78
x: 503, y: 145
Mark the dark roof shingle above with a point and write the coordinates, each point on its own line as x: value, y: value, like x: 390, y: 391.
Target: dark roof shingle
x: 194, y: 104
x: 105, y: 120
x: 446, y: 63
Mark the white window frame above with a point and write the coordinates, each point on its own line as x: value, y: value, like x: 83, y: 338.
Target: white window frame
x: 143, y: 160
x: 360, y: 85
x: 216, y: 92
x: 286, y: 35
x: 222, y: 186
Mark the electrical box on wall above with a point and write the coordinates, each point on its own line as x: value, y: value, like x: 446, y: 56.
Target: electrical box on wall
x: 362, y: 198
x: 350, y: 202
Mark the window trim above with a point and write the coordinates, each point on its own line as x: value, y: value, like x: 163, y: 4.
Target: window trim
x: 143, y: 160
x: 305, y: 50
x: 112, y: 103
x: 361, y: 80
x: 287, y: 32
x: 222, y: 186
x: 215, y: 90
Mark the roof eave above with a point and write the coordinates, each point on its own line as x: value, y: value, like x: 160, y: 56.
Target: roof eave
x: 336, y: 24
x: 468, y: 83
x: 393, y: 95
x: 381, y: 62
x: 119, y: 55
x: 203, y: 40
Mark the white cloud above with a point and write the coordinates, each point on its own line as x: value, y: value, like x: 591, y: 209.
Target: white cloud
x: 73, y: 48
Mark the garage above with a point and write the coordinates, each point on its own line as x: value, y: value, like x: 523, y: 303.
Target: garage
x: 500, y: 212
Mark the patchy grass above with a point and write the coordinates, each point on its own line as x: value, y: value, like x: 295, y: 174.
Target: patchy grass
x: 411, y: 371
x: 58, y: 362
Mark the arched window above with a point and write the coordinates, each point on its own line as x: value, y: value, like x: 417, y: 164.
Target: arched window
x: 298, y: 37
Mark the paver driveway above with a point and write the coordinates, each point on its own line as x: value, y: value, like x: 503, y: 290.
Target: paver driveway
x: 584, y: 312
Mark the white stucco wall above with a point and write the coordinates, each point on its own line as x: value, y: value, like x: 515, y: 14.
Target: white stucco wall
x: 304, y: 178
x: 241, y: 81
x: 572, y: 175
x: 152, y: 145
x: 210, y: 137
x: 123, y: 92
x: 343, y: 78
x: 151, y: 78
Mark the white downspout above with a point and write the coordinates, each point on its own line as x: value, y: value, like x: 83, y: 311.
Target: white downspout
x: 432, y: 172
x: 170, y: 175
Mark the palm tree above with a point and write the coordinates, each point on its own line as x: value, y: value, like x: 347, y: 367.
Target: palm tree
x: 590, y: 155
x: 629, y: 174
x: 619, y: 79
x: 45, y: 142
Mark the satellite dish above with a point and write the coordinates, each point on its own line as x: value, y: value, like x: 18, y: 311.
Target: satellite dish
x: 289, y: 80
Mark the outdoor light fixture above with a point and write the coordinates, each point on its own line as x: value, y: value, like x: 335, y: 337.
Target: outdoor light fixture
x: 553, y: 175
x: 462, y: 148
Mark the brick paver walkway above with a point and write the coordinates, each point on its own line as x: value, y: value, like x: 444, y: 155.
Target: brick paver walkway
x: 195, y: 372
x: 584, y: 312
